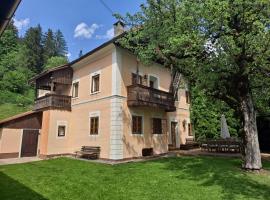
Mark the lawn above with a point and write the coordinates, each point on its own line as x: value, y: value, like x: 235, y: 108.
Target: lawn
x: 9, y: 109
x: 164, y: 179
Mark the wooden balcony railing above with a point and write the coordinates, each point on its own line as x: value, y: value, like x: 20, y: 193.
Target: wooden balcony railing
x: 140, y: 95
x: 53, y: 101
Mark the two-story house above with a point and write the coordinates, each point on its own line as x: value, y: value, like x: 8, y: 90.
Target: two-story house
x: 106, y: 98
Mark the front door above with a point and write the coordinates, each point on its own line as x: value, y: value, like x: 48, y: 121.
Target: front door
x: 173, y: 133
x: 29, y: 143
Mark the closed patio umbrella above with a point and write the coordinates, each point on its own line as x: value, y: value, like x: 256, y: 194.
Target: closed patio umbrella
x: 224, y: 132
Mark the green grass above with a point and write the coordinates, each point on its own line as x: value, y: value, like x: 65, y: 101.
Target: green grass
x: 170, y: 178
x: 8, y: 110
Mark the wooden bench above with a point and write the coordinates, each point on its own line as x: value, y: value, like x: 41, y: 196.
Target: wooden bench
x: 88, y: 152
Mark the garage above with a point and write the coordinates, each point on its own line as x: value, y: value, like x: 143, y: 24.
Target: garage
x: 19, y: 135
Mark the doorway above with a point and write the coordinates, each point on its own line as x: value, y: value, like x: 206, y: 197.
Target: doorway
x: 29, y: 143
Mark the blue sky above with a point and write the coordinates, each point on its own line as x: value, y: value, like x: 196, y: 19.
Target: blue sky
x: 84, y: 23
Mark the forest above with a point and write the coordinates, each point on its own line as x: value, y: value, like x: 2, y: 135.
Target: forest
x: 23, y: 57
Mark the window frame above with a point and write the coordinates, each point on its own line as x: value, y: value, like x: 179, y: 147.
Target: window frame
x: 187, y: 94
x: 63, y: 126
x: 92, y: 76
x: 94, y: 115
x: 190, y: 133
x: 142, y: 125
x: 94, y: 87
x: 72, y: 92
x: 157, y: 81
x: 153, y: 124
x: 59, y: 124
x: 96, y: 125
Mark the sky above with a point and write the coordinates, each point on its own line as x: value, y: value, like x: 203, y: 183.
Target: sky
x: 85, y: 24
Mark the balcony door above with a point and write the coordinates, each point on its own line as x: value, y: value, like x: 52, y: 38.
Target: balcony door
x: 153, y: 82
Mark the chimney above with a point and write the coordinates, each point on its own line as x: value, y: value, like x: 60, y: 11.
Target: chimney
x: 119, y: 28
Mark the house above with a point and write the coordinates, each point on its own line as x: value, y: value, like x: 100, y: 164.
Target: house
x: 106, y: 98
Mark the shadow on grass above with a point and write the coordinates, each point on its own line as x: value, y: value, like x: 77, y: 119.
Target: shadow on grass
x: 11, y: 189
x: 221, y: 172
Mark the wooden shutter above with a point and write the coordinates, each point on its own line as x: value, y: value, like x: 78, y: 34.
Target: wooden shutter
x: 157, y: 126
x: 136, y: 124
x: 164, y: 126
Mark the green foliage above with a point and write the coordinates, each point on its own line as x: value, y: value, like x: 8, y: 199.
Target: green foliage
x: 14, y: 81
x: 206, y: 115
x: 9, y: 39
x: 20, y: 59
x: 56, y: 61
x: 221, y: 46
x: 60, y: 44
x: 34, y: 49
x: 10, y: 109
x: 49, y: 45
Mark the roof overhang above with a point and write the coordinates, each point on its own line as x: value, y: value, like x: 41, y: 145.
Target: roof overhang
x: 32, y: 80
x: 7, y: 10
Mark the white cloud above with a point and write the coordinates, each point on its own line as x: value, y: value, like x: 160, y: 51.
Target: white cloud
x: 109, y: 34
x: 68, y: 54
x: 21, y: 23
x: 82, y: 30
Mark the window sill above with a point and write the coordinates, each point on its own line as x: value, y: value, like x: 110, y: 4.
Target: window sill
x: 60, y: 137
x: 93, y: 93
x: 158, y: 135
x: 137, y: 135
x: 74, y: 98
x: 94, y: 135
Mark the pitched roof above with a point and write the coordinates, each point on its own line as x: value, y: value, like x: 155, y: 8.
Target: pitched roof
x: 48, y: 71
x: 113, y: 40
x: 17, y: 116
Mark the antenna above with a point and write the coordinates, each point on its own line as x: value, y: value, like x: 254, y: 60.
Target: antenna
x: 106, y: 6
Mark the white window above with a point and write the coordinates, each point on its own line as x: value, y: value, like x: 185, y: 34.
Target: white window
x: 75, y: 89
x: 61, y: 129
x: 153, y: 81
x: 95, y: 82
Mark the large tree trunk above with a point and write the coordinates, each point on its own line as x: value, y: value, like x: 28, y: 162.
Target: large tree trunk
x: 251, y: 151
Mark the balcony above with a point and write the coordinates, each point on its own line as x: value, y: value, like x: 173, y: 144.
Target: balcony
x: 140, y: 95
x: 53, y: 101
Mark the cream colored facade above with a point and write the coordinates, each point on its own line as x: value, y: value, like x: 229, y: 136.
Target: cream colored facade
x: 115, y: 67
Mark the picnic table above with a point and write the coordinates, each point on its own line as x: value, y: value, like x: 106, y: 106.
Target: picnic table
x: 221, y: 145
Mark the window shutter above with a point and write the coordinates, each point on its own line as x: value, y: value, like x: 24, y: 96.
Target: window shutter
x: 152, y: 125
x: 164, y: 126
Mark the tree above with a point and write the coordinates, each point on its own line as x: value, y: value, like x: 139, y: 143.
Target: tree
x: 49, y: 45
x: 60, y: 44
x: 14, y: 81
x: 206, y: 114
x: 34, y: 49
x: 219, y: 44
x: 9, y: 39
x: 55, y: 61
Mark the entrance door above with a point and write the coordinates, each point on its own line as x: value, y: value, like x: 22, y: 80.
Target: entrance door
x: 29, y: 143
x: 173, y: 133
